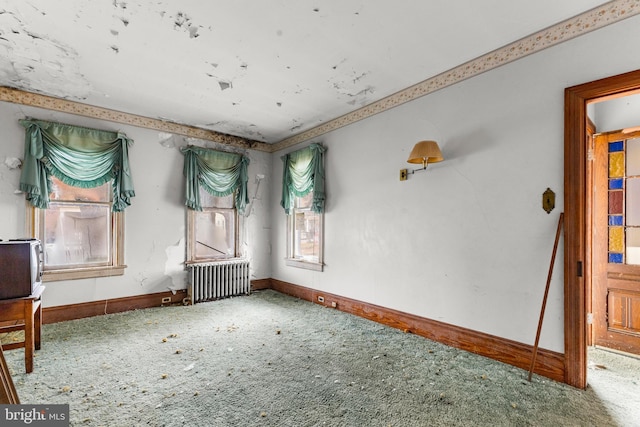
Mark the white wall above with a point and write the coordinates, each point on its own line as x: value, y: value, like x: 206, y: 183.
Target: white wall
x: 467, y: 241
x: 155, y: 221
x: 617, y: 113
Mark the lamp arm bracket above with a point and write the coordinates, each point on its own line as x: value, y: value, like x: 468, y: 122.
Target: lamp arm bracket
x: 413, y: 171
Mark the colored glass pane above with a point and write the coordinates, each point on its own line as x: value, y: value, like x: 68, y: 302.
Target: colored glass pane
x: 633, y: 157
x: 615, y: 220
x: 616, y: 165
x: 615, y: 258
x: 615, y: 184
x: 616, y: 146
x: 615, y: 202
x: 616, y: 239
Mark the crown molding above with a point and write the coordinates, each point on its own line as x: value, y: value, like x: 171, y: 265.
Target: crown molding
x: 607, y: 14
x: 31, y: 99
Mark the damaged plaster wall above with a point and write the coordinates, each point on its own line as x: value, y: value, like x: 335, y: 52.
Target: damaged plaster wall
x: 31, y: 60
x: 11, y: 199
x: 155, y: 223
x: 255, y: 224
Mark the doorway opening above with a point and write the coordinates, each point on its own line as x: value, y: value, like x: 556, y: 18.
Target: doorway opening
x: 578, y: 215
x: 613, y: 304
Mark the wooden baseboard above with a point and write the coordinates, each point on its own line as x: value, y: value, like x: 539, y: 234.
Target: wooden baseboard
x: 116, y: 305
x: 260, y: 284
x: 549, y: 364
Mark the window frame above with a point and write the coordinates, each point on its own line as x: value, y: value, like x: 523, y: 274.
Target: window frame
x: 35, y: 225
x: 191, y: 233
x: 290, y: 259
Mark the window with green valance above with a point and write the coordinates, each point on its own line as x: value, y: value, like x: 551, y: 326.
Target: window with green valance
x: 77, y: 156
x: 217, y: 172
x: 303, y: 172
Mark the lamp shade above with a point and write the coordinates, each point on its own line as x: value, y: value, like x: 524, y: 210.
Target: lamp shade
x: 425, y: 152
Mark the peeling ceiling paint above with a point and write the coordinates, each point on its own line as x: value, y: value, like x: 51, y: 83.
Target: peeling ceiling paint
x: 31, y: 59
x: 263, y: 71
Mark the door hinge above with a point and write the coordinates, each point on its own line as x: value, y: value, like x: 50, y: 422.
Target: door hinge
x: 579, y: 269
x: 589, y: 318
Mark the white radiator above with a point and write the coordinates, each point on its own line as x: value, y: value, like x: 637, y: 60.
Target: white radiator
x: 220, y: 279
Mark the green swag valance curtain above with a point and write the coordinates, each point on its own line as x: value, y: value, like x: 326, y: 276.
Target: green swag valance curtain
x: 219, y: 173
x: 303, y: 172
x: 77, y: 156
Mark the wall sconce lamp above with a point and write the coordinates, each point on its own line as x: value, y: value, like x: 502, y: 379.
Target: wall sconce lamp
x: 424, y: 152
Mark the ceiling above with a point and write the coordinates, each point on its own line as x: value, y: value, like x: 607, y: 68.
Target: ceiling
x: 260, y: 70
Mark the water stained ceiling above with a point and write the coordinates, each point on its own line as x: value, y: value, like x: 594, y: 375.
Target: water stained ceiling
x: 261, y: 70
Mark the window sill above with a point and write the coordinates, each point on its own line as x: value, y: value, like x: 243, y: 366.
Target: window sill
x: 82, y: 273
x: 307, y: 265
x: 215, y: 261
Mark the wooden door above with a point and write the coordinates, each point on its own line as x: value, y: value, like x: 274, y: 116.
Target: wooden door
x: 616, y: 241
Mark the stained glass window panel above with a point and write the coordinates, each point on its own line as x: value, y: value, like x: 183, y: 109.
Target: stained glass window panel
x: 616, y: 165
x: 615, y: 202
x: 616, y: 239
x: 616, y: 146
x: 615, y: 184
x: 615, y: 258
x: 616, y: 220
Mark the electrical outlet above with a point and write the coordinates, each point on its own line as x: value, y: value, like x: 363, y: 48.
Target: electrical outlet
x: 320, y: 299
x: 403, y: 174
x: 334, y: 304
x: 166, y: 300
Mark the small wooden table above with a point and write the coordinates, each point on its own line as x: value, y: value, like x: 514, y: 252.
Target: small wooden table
x: 25, y: 313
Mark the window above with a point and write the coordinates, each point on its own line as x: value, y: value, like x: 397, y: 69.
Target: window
x: 303, y: 202
x: 78, y: 181
x: 624, y: 201
x: 80, y: 234
x: 304, y: 234
x: 215, y: 192
x: 212, y: 231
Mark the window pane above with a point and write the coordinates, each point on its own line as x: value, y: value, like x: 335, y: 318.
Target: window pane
x: 209, y: 201
x: 633, y: 246
x: 307, y: 236
x: 633, y: 202
x: 304, y: 202
x: 77, y: 234
x: 62, y: 191
x: 214, y: 234
x: 633, y: 157
x: 304, y: 235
